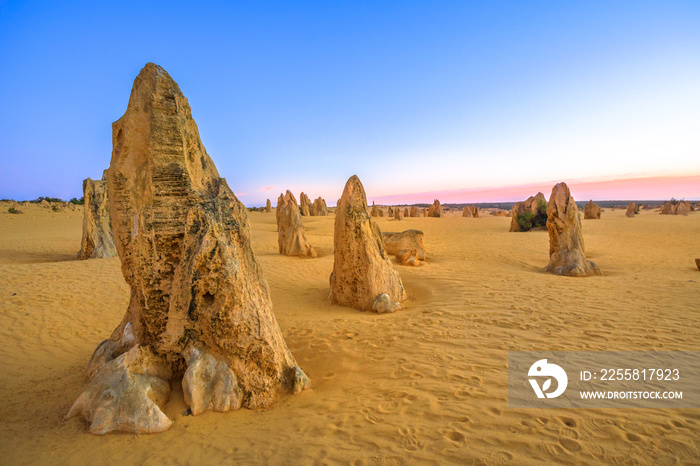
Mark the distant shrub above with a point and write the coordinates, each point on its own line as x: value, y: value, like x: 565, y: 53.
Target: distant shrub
x: 55, y: 208
x: 47, y: 199
x: 12, y: 210
x: 77, y: 201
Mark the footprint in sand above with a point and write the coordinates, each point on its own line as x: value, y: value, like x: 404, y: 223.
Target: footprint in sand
x: 455, y: 436
x: 570, y: 444
x: 567, y: 421
x: 409, y: 440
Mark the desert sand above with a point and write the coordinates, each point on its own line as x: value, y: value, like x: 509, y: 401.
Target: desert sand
x: 427, y: 384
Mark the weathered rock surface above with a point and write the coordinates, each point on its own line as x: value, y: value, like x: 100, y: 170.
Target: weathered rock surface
x: 291, y: 237
x: 97, y: 241
x: 631, y: 210
x: 682, y: 208
x: 319, y: 209
x: 566, y: 250
x: 268, y: 206
x: 475, y: 211
x: 674, y: 207
x: 697, y: 262
x: 414, y: 212
x: 398, y: 215
x: 184, y: 243
x: 383, y: 304
x: 375, y: 211
x: 362, y: 270
x: 127, y: 394
x: 408, y: 257
x: 435, y: 209
x: 591, y: 211
x: 467, y: 211
x: 409, y: 239
x: 530, y: 213
x: 305, y: 204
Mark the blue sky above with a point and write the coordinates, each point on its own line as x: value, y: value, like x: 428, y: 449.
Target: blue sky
x: 413, y: 97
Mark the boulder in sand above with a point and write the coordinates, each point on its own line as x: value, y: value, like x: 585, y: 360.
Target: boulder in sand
x: 566, y: 250
x: 362, y: 271
x: 408, y: 257
x: 199, y: 305
x: 97, y: 241
x: 291, y: 237
x: 530, y: 213
x: 435, y: 209
x: 591, y: 211
x: 409, y: 239
x: 631, y: 210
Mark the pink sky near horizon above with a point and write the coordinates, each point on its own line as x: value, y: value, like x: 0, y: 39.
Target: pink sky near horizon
x: 647, y: 188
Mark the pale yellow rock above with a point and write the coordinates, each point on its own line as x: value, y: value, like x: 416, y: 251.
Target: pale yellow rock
x: 268, y: 206
x: 209, y: 383
x: 409, y: 239
x: 319, y: 208
x: 435, y: 209
x: 184, y: 243
x: 408, y: 257
x: 305, y: 204
x: 291, y: 238
x: 566, y: 250
x: 362, y: 270
x: 591, y: 211
x: 97, y: 241
x: 127, y: 395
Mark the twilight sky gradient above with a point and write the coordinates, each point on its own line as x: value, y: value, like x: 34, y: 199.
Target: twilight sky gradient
x: 474, y: 101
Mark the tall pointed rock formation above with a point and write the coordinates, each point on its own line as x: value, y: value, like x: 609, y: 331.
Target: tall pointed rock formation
x: 200, y: 310
x: 363, y: 276
x: 566, y: 251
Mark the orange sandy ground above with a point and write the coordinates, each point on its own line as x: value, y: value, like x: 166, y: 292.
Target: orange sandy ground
x: 425, y: 385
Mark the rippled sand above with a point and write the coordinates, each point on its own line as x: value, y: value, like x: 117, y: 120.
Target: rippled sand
x: 424, y: 385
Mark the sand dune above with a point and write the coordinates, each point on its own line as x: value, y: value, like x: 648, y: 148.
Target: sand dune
x: 424, y: 385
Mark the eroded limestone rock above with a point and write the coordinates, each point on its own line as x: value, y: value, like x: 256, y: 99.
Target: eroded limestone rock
x: 97, y: 241
x: 362, y: 270
x: 591, y: 211
x: 184, y: 243
x: 408, y: 257
x: 530, y: 213
x: 566, y: 250
x: 268, y: 206
x: 127, y: 394
x: 631, y: 210
x: 409, y: 239
x: 435, y: 209
x: 291, y: 237
x: 467, y: 212
x: 319, y: 208
x: 305, y: 204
